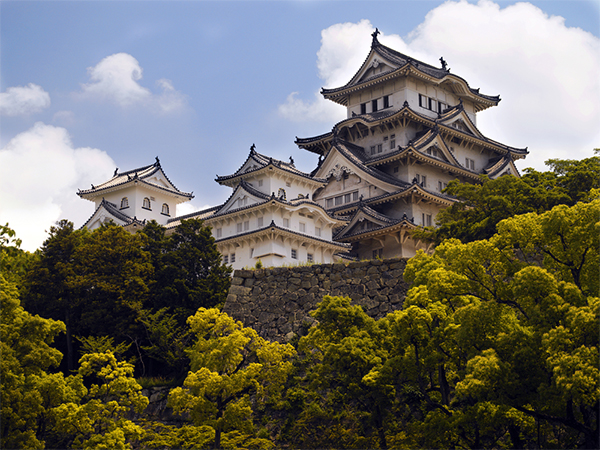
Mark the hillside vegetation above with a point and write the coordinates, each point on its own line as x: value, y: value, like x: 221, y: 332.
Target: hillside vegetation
x: 496, y: 346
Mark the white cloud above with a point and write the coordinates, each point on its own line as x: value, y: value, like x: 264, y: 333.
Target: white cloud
x: 23, y: 100
x: 545, y: 72
x: 40, y: 173
x: 116, y: 79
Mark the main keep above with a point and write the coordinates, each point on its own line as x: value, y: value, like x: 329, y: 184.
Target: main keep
x: 410, y: 128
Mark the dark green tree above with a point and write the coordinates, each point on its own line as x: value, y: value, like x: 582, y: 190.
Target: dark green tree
x: 96, y: 282
x: 189, y: 271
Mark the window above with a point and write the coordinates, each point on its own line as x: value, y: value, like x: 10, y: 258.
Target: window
x: 423, y: 101
x: 124, y: 203
x: 347, y: 198
x: 379, y: 148
x: 433, y: 104
x: 442, y: 186
x: 302, y: 227
x: 317, y: 231
x: 146, y: 203
x: 385, y: 139
x: 309, y: 257
x: 426, y: 220
x: 469, y: 164
x: 281, y: 194
x: 260, y: 183
x: 219, y: 232
x: 288, y: 184
x: 363, y: 108
x: 246, y: 225
x: 378, y: 253
x: 442, y: 107
x: 165, y: 209
x: 232, y: 258
x: 226, y: 259
x: 329, y: 203
x: 372, y: 149
x: 355, y: 196
x: 386, y: 101
x: 251, y: 253
x: 374, y: 105
x: 423, y: 181
x: 238, y: 227
x: 418, y: 178
x: 259, y: 222
x: 294, y: 253
x: 392, y: 141
x: 286, y: 223
x: 339, y: 200
x: 396, y: 169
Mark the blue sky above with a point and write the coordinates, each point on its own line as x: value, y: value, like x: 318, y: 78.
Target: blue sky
x: 89, y: 86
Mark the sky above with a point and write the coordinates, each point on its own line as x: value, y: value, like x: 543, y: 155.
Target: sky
x: 89, y: 86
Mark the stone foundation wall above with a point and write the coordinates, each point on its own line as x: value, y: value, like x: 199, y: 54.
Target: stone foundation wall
x: 276, y: 301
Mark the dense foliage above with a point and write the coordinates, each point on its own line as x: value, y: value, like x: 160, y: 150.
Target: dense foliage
x: 483, y: 206
x: 496, y: 345
x: 137, y: 288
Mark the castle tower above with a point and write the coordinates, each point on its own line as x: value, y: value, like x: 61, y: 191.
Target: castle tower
x: 131, y: 198
x: 410, y: 129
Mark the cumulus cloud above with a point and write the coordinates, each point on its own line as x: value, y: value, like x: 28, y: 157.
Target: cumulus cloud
x: 545, y: 72
x: 116, y: 79
x: 23, y: 100
x: 40, y: 172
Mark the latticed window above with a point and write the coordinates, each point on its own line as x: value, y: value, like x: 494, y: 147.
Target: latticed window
x: 146, y: 203
x: 294, y: 253
x: 165, y: 209
x: 124, y: 202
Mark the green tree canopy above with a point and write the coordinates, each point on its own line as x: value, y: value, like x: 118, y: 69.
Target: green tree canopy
x: 230, y: 363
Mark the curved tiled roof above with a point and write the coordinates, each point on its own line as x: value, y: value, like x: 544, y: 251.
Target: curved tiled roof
x: 402, y: 61
x: 356, y: 155
x: 370, y: 212
x: 112, y: 209
x: 264, y: 161
x: 131, y: 176
x: 274, y: 226
x: 266, y: 198
x: 432, y: 123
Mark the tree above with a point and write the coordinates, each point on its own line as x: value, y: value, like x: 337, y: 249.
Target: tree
x: 228, y: 364
x: 189, y: 272
x: 96, y: 282
x: 482, y: 206
x: 13, y: 260
x: 28, y: 391
x: 99, y: 420
x: 514, y: 319
x: 343, y: 407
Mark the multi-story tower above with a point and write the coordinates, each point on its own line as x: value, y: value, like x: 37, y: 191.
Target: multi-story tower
x: 270, y: 217
x: 410, y: 129
x: 133, y: 197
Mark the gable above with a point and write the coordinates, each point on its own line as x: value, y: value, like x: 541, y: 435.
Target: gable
x: 240, y: 199
x: 337, y: 167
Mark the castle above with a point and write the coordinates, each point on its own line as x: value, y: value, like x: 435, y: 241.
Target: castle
x: 410, y: 129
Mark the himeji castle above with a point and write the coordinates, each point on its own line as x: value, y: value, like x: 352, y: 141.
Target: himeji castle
x: 410, y: 128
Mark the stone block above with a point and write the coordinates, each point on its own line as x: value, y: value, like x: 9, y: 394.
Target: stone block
x: 237, y: 281
x: 239, y: 290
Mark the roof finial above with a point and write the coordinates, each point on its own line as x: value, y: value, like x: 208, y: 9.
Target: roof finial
x: 252, y: 148
x: 291, y: 161
x: 157, y: 161
x: 444, y: 63
x: 116, y: 172
x: 375, y: 34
